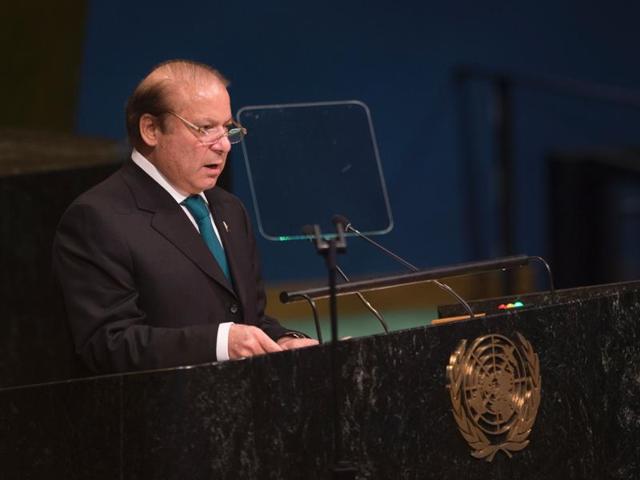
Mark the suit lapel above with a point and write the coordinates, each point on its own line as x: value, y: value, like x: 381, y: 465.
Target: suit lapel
x: 224, y: 219
x: 170, y: 221
x: 176, y: 227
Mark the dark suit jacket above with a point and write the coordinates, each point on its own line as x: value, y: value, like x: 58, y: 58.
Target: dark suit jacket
x: 141, y: 288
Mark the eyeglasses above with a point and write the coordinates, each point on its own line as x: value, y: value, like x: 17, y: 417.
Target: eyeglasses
x: 208, y: 136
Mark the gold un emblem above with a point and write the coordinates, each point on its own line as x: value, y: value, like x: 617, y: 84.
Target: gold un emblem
x: 495, y: 393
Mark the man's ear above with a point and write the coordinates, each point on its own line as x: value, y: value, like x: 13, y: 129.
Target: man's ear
x: 149, y: 129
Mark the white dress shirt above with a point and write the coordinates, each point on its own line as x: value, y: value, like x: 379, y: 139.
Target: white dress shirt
x: 222, y: 341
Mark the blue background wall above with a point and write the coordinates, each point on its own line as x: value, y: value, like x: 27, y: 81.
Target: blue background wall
x: 398, y: 59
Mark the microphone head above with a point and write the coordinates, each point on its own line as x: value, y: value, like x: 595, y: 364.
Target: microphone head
x: 341, y: 219
x: 309, y: 230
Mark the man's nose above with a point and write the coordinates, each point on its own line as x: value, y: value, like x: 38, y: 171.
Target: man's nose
x: 222, y: 144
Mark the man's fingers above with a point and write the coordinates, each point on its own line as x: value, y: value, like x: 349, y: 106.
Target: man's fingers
x: 290, y: 343
x: 246, y: 340
x: 266, y: 343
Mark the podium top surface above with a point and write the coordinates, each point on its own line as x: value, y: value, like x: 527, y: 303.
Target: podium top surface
x: 489, y: 307
x: 25, y: 152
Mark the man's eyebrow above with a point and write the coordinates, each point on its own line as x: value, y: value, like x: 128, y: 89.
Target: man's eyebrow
x: 211, y: 120
x: 224, y: 122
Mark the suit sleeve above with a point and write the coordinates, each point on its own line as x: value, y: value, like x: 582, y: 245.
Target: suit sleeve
x: 111, y: 333
x: 268, y: 324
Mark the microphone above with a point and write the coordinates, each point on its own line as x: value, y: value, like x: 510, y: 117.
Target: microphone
x: 348, y: 227
x: 366, y: 302
x: 313, y: 231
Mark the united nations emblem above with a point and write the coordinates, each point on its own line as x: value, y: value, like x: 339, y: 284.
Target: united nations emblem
x: 495, y: 393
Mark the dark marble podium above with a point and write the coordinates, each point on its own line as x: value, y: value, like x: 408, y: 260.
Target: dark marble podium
x: 269, y: 417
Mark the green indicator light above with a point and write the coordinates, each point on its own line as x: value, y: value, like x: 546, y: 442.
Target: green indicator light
x: 284, y: 238
x: 518, y: 304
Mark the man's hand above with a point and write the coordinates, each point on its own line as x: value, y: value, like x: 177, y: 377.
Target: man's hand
x: 246, y: 341
x: 289, y: 343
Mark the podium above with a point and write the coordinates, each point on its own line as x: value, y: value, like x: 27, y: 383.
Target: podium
x: 269, y: 416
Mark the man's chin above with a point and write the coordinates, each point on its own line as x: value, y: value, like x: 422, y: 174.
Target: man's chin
x: 209, y: 184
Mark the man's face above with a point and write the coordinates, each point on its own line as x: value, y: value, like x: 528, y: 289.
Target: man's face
x: 179, y: 153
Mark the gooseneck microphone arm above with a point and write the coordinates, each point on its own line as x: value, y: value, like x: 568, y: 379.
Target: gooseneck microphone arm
x: 314, y: 309
x: 314, y: 233
x: 339, y: 219
x: 349, y: 227
x: 366, y: 302
x: 547, y: 268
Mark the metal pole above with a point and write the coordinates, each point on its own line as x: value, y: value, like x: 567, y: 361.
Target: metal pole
x: 504, y: 168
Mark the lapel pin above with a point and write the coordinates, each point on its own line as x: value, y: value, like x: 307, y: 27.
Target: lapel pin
x: 225, y: 226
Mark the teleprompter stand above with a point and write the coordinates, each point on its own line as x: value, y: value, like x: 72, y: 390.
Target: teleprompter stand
x: 329, y: 248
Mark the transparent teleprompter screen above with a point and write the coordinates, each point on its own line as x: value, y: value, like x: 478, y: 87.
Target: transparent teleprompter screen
x: 310, y: 161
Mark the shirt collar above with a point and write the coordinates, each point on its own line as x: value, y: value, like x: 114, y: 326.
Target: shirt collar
x: 151, y: 170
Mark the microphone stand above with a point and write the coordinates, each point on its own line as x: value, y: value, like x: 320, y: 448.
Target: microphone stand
x: 342, y: 469
x: 366, y: 303
x: 341, y: 220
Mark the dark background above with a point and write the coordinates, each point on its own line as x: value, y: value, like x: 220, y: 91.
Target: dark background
x: 72, y: 65
x: 398, y: 57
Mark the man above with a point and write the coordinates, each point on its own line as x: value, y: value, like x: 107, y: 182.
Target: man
x: 158, y: 266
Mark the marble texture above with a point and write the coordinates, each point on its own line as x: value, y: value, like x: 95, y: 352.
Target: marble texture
x: 69, y: 430
x: 270, y: 417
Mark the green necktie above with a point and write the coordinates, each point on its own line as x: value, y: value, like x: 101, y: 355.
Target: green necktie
x: 198, y: 208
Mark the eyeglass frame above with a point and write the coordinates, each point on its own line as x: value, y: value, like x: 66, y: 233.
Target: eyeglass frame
x: 205, y: 131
